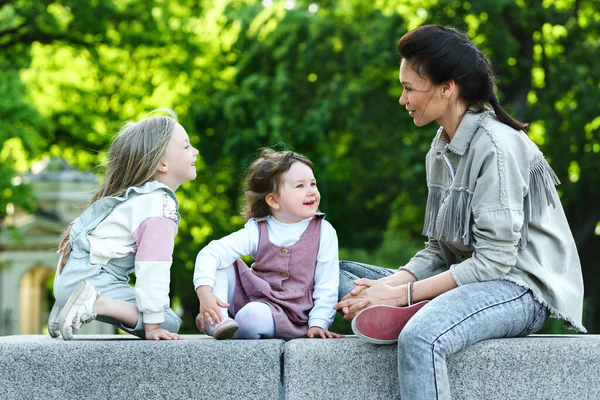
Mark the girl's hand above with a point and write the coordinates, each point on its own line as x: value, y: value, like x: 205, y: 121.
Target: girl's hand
x: 155, y: 332
x: 210, y: 306
x: 317, y: 332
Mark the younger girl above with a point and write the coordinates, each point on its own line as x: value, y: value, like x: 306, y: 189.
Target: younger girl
x: 130, y: 226
x: 291, y: 288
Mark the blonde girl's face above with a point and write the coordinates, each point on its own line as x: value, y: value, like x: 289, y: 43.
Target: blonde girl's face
x: 421, y: 98
x: 179, y: 164
x: 298, y: 197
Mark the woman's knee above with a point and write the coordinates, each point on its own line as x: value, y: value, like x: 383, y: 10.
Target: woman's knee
x: 362, y: 270
x: 346, y: 283
x: 356, y: 268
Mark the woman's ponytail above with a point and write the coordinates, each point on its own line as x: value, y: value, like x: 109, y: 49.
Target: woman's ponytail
x: 506, y: 118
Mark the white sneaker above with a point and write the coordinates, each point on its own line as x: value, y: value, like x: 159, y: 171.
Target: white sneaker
x: 78, y: 310
x: 53, y: 327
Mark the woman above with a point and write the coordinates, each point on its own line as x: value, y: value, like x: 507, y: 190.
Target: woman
x: 500, y: 258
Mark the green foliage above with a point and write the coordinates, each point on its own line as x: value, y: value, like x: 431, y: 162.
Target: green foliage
x: 21, y: 137
x: 243, y: 75
x: 300, y: 79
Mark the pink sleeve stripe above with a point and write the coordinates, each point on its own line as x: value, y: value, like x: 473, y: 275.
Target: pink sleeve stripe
x: 155, y: 239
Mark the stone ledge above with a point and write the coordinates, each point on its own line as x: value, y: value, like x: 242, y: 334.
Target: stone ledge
x: 124, y: 367
x: 537, y: 367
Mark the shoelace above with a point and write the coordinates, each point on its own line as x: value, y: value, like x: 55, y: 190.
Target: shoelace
x: 84, y: 319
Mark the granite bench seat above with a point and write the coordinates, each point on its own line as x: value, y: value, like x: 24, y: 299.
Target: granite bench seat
x: 124, y: 367
x: 199, y: 367
x: 536, y: 367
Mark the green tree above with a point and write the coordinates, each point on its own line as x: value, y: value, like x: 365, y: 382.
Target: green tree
x: 26, y: 131
x: 322, y: 81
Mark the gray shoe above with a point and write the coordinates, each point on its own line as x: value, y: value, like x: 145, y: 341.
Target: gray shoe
x: 79, y: 309
x: 53, y: 328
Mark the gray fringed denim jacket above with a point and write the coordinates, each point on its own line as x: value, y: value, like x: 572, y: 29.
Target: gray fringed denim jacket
x: 493, y: 213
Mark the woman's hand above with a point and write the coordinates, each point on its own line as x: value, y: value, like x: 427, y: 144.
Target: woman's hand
x: 360, y: 285
x: 155, y: 332
x: 367, y: 293
x: 210, y: 306
x: 354, y: 298
x: 318, y: 332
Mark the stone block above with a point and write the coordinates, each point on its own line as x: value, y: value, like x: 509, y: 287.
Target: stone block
x: 123, y: 367
x: 536, y: 367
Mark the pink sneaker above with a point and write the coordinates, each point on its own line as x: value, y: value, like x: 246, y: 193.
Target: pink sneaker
x: 383, y: 324
x: 223, y: 330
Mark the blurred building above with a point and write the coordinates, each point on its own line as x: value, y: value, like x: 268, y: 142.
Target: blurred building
x: 28, y: 255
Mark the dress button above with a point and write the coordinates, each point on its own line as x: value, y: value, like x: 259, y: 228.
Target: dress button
x: 284, y: 274
x: 284, y: 251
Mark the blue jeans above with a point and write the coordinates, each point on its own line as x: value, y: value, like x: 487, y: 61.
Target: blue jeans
x: 454, y: 320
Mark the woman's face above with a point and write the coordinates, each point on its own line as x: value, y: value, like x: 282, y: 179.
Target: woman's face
x: 422, y: 99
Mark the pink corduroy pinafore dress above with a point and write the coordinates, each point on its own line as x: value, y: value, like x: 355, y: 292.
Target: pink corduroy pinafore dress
x: 283, y: 278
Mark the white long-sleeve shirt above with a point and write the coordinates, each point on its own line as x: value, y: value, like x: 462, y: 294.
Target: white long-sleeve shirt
x: 221, y: 253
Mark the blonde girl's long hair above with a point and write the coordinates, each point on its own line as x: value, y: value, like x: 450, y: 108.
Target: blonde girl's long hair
x: 133, y: 159
x: 264, y: 177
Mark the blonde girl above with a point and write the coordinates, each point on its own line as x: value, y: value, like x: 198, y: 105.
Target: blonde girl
x: 130, y: 226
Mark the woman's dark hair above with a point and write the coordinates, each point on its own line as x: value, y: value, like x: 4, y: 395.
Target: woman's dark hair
x: 444, y: 54
x: 264, y: 177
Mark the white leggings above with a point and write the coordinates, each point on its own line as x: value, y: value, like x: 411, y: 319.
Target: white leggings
x: 255, y: 318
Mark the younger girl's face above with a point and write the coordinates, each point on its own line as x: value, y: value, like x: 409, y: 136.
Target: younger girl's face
x: 298, y: 197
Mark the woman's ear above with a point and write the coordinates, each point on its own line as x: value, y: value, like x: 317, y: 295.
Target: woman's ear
x: 272, y: 201
x: 448, y: 89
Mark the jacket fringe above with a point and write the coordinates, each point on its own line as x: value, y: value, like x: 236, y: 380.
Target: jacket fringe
x: 455, y: 219
x: 541, y: 194
x: 434, y: 201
